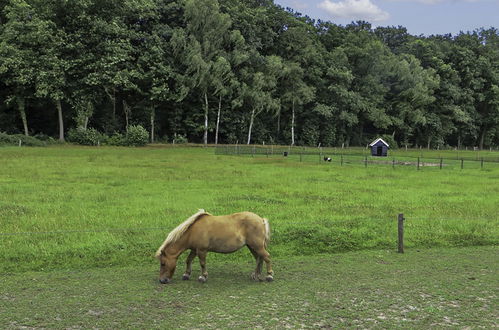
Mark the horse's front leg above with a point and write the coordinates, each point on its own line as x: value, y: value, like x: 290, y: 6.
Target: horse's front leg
x: 188, y: 268
x: 202, y: 261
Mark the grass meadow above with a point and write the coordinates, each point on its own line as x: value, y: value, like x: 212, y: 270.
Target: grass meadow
x: 79, y: 227
x: 72, y: 207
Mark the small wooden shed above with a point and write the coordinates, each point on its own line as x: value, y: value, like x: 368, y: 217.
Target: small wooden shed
x: 379, y: 148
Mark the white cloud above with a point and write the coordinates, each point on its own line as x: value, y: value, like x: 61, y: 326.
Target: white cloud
x: 299, y: 5
x: 354, y: 10
x: 433, y: 2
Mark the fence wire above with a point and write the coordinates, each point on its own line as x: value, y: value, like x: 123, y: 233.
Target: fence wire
x: 272, y: 224
x: 359, y: 158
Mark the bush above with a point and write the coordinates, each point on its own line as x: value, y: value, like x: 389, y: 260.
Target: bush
x: 87, y: 137
x: 6, y: 139
x: 136, y: 136
x: 180, y: 139
x: 117, y: 139
x: 45, y: 138
x: 390, y: 140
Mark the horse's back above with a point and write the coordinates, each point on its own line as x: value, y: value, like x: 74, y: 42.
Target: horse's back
x: 226, y: 233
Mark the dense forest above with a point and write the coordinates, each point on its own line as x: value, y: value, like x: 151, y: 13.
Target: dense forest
x: 246, y: 71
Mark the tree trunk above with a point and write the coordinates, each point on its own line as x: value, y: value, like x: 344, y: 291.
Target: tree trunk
x: 205, y: 136
x: 278, y: 124
x: 482, y: 137
x: 61, y: 122
x: 218, y: 118
x: 85, y: 123
x: 251, y: 125
x: 22, y: 111
x: 293, y: 124
x: 126, y: 111
x: 458, y: 141
x: 153, y: 113
x: 429, y: 142
x: 113, y: 100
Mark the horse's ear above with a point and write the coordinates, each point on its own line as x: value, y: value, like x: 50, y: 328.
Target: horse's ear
x: 160, y: 253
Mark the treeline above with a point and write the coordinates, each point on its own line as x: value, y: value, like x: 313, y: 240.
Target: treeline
x: 247, y: 71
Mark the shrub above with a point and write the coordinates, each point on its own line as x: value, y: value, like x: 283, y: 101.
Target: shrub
x: 117, y: 139
x: 6, y: 139
x: 180, y: 139
x: 45, y: 138
x: 88, y: 137
x: 136, y: 136
x: 390, y: 140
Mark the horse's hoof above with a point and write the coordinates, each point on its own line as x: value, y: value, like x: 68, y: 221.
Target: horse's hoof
x: 255, y: 277
x: 186, y: 277
x: 202, y: 279
x: 269, y: 278
x: 165, y: 281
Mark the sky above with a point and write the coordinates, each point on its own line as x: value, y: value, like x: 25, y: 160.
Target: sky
x: 425, y: 17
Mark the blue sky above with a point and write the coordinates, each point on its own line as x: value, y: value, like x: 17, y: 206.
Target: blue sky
x: 418, y: 16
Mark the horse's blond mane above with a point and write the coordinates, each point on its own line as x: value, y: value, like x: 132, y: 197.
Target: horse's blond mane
x: 176, y: 233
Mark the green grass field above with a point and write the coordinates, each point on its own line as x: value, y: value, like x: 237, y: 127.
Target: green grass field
x: 75, y: 207
x: 79, y: 228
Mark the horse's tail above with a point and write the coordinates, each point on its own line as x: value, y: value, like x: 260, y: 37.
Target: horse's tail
x: 267, y: 232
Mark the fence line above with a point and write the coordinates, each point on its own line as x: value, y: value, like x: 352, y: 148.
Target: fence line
x: 300, y: 152
x: 316, y: 222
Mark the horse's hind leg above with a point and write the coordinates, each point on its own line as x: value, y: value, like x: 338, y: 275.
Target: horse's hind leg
x: 263, y: 254
x: 188, y: 268
x: 259, y: 261
x: 202, y: 261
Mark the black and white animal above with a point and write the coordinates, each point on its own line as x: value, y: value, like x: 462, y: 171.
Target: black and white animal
x: 327, y: 159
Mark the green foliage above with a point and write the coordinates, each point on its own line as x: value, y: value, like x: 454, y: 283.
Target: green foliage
x: 136, y: 136
x: 391, y: 141
x: 224, y: 71
x: 180, y: 139
x: 117, y: 139
x: 88, y: 137
x: 6, y: 139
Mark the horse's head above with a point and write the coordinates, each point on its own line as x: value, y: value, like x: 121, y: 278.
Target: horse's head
x: 166, y: 268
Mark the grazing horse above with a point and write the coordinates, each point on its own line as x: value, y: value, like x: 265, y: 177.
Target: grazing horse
x: 203, y: 233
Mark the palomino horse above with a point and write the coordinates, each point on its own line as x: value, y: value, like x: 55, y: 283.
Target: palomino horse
x: 203, y: 233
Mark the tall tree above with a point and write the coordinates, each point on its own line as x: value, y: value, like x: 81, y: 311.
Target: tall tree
x: 206, y: 33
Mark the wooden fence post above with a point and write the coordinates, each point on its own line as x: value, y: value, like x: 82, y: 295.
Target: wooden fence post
x: 462, y: 163
x: 440, y: 162
x: 418, y: 163
x: 401, y: 232
x: 365, y: 161
x: 481, y: 163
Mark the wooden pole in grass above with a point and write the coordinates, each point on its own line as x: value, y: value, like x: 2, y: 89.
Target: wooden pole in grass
x: 481, y: 163
x: 462, y: 163
x: 401, y: 232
